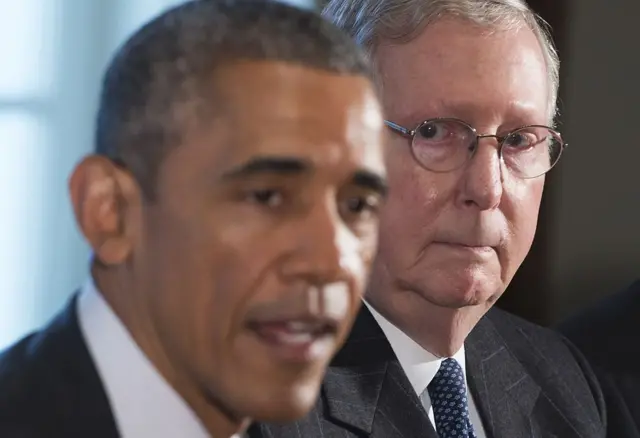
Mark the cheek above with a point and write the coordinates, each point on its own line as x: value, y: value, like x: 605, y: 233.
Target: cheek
x: 521, y: 210
x: 201, y: 280
x: 236, y: 273
x: 416, y: 200
x: 223, y: 285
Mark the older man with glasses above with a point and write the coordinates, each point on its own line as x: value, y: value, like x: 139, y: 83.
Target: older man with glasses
x: 469, y: 90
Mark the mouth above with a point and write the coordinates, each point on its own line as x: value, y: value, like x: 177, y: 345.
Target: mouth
x: 478, y: 249
x: 301, y: 340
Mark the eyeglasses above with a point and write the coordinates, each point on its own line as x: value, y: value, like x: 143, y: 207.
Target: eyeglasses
x: 446, y: 144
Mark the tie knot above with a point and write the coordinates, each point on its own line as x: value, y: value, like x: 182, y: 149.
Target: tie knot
x: 448, y: 393
x: 448, y: 378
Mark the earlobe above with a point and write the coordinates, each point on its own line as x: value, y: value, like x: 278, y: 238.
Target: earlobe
x: 99, y: 204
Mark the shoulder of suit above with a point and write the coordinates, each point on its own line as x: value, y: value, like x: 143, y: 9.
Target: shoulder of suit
x: 21, y: 385
x: 33, y: 356
x: 17, y: 363
x: 30, y: 375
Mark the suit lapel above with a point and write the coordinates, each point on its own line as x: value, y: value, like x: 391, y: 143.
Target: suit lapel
x: 367, y: 389
x: 399, y: 412
x: 82, y: 408
x: 365, y: 393
x: 504, y: 392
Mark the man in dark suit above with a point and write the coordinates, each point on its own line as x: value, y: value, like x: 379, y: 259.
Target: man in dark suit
x: 232, y: 209
x: 469, y: 88
x: 608, y: 333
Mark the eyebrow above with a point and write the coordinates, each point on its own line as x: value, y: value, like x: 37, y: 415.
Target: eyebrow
x: 268, y: 165
x: 293, y: 166
x: 371, y: 181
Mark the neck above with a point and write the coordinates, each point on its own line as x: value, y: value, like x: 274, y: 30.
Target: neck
x: 439, y: 330
x: 444, y: 332
x: 116, y: 290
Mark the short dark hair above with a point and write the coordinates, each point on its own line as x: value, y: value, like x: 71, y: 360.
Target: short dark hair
x: 170, y: 61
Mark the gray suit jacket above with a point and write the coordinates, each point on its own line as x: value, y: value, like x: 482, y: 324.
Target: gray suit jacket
x: 528, y: 382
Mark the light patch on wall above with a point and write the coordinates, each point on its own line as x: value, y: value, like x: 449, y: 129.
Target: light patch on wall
x: 29, y: 36
x: 24, y: 139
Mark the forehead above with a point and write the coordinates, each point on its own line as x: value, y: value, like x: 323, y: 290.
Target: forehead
x: 273, y: 108
x: 458, y: 68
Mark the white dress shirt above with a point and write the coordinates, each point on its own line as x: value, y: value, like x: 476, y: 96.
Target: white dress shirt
x: 421, y: 367
x: 143, y: 403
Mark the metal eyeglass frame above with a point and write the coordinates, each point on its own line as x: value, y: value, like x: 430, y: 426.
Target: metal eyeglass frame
x: 411, y: 133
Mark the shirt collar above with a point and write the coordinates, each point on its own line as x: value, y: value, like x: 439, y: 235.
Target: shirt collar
x: 419, y: 365
x: 142, y: 401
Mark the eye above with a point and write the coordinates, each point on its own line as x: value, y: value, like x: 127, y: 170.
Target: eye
x: 521, y: 140
x: 447, y: 131
x: 434, y: 131
x: 267, y: 197
x: 362, y: 205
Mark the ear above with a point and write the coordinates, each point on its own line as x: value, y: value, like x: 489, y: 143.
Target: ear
x: 104, y: 196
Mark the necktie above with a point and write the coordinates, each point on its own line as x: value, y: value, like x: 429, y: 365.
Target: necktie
x: 448, y: 393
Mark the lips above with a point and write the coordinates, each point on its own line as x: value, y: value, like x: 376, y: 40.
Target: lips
x: 470, y: 244
x: 298, y: 340
x: 476, y: 249
x: 479, y: 248
x: 302, y: 325
x: 294, y: 332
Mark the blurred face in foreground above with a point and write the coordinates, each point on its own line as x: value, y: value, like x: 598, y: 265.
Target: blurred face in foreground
x: 244, y: 274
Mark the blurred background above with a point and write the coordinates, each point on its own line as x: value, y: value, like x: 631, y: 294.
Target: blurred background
x: 53, y: 53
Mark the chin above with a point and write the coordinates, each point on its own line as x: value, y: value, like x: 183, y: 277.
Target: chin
x: 283, y: 405
x: 454, y: 301
x: 458, y: 291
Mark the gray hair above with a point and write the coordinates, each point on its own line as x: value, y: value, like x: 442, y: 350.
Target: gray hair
x: 371, y: 21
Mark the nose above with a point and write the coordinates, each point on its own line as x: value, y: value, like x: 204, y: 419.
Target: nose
x: 482, y: 181
x: 324, y: 252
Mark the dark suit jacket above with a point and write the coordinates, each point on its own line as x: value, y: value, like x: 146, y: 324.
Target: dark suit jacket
x: 609, y: 335
x: 49, y: 386
x: 528, y: 382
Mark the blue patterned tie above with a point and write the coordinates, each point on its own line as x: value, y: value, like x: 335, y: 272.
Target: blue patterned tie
x: 448, y: 393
